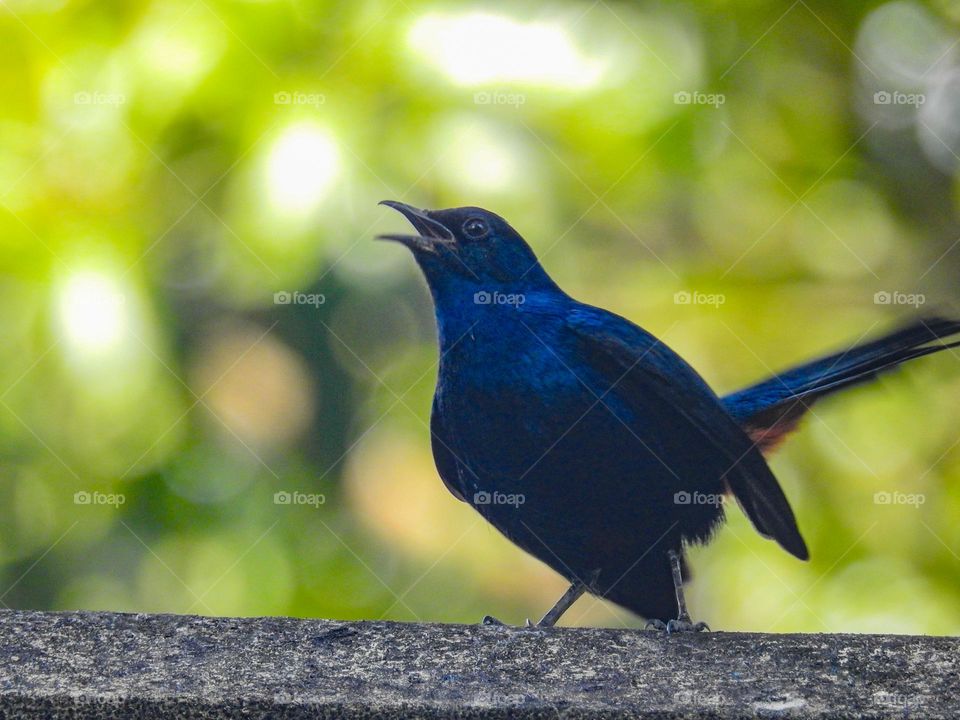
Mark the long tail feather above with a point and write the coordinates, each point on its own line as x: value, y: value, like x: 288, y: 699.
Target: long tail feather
x: 772, y: 408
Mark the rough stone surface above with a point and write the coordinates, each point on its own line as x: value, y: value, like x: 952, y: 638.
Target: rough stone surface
x: 78, y: 665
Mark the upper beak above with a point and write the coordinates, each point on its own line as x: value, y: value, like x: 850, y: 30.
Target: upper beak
x: 431, y: 232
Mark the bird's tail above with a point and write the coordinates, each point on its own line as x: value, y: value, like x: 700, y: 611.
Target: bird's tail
x: 772, y: 408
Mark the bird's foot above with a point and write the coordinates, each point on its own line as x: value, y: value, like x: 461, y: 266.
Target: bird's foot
x: 685, y: 626
x: 680, y: 625
x: 529, y: 625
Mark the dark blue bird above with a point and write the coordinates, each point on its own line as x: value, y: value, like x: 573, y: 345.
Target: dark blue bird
x: 587, y: 441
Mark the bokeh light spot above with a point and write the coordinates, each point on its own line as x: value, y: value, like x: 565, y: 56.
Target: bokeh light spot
x: 302, y: 165
x: 480, y: 159
x: 92, y: 312
x: 258, y: 390
x: 477, y: 48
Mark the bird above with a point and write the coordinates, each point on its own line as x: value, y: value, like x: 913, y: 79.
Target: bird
x: 588, y: 442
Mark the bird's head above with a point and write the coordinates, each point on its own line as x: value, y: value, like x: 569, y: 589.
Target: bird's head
x: 469, y: 248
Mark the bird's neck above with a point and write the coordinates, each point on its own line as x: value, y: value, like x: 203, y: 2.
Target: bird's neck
x: 478, y: 319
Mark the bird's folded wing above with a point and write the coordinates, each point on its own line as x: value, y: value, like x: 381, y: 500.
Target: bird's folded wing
x: 635, y: 365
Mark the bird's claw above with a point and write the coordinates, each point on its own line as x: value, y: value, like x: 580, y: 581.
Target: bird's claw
x: 685, y: 626
x: 494, y: 622
x: 680, y: 625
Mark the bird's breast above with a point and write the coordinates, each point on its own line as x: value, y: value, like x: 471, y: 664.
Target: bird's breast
x: 507, y: 409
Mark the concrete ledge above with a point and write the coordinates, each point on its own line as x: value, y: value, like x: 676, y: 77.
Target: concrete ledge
x: 79, y: 665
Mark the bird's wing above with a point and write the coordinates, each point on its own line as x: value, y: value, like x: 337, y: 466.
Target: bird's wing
x: 447, y: 464
x: 635, y: 365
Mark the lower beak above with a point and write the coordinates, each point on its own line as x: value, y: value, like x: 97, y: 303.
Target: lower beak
x: 432, y: 233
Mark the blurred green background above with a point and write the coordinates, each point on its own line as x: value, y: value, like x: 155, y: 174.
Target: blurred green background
x: 214, y: 386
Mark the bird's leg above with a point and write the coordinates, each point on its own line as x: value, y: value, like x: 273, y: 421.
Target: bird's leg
x: 573, y: 593
x: 683, y: 622
x: 683, y: 615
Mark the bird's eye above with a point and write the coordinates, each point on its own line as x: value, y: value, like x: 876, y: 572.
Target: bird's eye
x: 475, y: 228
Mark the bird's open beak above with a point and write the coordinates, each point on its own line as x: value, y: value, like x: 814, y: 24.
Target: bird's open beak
x: 432, y: 233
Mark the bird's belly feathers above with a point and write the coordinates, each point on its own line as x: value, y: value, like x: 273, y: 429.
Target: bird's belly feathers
x: 566, y: 471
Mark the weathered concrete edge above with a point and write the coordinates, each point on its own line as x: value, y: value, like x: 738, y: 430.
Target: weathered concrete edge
x: 119, y: 665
